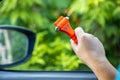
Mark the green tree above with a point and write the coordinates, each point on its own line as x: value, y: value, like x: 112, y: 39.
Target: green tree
x: 52, y: 50
x: 101, y: 18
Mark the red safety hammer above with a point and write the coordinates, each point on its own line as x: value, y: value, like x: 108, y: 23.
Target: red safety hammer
x: 63, y: 24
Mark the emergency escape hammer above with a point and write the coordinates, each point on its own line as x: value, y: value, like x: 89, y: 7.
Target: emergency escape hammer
x: 62, y: 24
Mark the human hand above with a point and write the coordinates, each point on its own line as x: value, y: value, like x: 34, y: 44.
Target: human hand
x: 89, y: 48
x: 91, y: 51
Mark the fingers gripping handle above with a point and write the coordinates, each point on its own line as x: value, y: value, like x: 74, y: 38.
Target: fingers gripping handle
x: 62, y: 24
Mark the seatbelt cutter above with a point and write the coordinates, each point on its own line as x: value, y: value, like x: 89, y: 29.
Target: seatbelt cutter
x: 63, y: 24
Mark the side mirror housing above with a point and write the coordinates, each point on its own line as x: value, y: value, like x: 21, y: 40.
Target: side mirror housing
x: 16, y: 45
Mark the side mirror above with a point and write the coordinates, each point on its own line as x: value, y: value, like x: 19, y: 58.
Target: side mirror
x: 16, y: 45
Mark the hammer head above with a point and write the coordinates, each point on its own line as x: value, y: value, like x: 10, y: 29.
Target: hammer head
x: 62, y: 24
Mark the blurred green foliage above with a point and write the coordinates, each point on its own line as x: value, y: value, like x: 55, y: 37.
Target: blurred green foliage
x: 52, y: 50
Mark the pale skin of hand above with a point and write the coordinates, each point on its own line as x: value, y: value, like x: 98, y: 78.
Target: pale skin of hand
x: 91, y: 51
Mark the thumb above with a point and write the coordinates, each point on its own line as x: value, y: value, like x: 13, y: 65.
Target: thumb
x: 78, y: 32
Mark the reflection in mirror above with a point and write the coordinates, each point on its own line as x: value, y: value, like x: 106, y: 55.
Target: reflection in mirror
x: 13, y: 46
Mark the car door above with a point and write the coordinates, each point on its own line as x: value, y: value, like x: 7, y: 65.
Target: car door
x: 19, y: 43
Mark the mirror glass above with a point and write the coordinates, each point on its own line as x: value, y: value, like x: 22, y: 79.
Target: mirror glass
x: 13, y: 46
